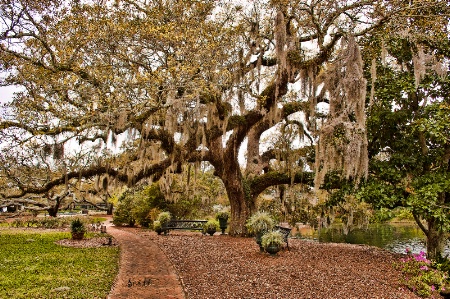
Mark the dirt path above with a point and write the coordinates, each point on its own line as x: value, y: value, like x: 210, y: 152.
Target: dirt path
x: 145, y: 271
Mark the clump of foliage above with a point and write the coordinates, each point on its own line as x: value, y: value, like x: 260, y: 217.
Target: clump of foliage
x: 157, y: 227
x: 381, y: 215
x: 272, y: 238
x: 188, y: 207
x: 52, y: 222
x: 135, y: 206
x: 223, y: 214
x: 161, y: 222
x: 164, y: 218
x: 211, y: 225
x: 420, y: 275
x: 122, y: 214
x: 77, y: 226
x: 443, y: 264
x: 260, y: 222
x: 403, y: 214
x: 47, y: 222
x: 192, y: 193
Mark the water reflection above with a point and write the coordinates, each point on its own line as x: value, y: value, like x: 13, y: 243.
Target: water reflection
x: 393, y: 237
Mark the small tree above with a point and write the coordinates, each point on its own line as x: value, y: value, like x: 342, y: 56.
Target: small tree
x: 135, y: 205
x: 123, y: 213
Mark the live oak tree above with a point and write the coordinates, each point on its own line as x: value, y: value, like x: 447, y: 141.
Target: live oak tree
x: 92, y: 71
x: 183, y: 82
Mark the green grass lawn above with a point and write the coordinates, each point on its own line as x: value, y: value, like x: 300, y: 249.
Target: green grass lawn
x: 33, y: 266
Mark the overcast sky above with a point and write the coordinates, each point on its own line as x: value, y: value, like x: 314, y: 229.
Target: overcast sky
x: 6, y: 93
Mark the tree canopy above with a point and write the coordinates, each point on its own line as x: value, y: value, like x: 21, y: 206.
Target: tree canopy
x: 185, y: 82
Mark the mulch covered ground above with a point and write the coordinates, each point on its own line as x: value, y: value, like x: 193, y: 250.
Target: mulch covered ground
x: 195, y: 266
x: 227, y: 267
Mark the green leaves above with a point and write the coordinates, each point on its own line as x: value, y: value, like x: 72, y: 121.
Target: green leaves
x: 435, y: 123
x: 428, y: 197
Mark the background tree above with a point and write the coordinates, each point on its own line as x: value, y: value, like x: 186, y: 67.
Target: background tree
x: 408, y: 123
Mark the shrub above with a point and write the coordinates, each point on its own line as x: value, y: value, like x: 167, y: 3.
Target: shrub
x: 442, y: 263
x: 260, y: 222
x: 272, y: 237
x: 145, y: 200
x: 188, y: 208
x: 211, y: 225
x: 134, y: 206
x: 153, y: 214
x: 164, y: 217
x: 157, y: 227
x: 77, y: 226
x: 122, y: 214
x: 382, y: 215
x: 403, y: 214
x: 420, y: 276
x: 223, y: 214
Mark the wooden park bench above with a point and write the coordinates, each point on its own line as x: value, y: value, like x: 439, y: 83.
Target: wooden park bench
x: 286, y: 231
x: 184, y: 225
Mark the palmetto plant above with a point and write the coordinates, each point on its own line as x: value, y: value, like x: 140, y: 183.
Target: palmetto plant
x: 77, y: 226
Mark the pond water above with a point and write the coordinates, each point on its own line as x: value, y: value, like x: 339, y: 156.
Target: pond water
x: 394, y: 237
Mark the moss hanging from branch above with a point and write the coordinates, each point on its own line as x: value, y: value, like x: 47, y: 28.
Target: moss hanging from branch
x: 342, y: 142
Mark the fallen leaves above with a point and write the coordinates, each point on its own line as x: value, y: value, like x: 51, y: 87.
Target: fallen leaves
x: 228, y: 267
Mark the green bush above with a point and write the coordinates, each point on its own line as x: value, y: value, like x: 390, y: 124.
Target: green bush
x: 47, y: 222
x: 211, y: 225
x: 135, y: 206
x: 420, y: 276
x: 382, y: 215
x: 164, y: 217
x: 77, y: 226
x: 148, y: 199
x: 442, y: 263
x: 188, y: 208
x: 157, y: 225
x: 123, y: 213
x: 272, y: 237
x: 403, y: 214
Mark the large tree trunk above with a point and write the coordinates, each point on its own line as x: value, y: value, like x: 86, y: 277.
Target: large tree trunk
x: 110, y: 207
x: 227, y: 168
x: 53, y: 211
x: 435, y: 240
x: 436, y: 237
x: 241, y: 205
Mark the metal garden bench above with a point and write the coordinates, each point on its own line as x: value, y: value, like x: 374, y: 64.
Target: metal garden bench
x: 184, y: 225
x: 286, y: 231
